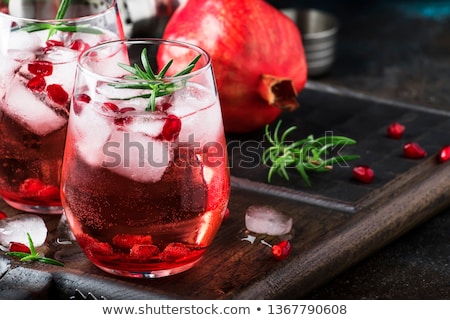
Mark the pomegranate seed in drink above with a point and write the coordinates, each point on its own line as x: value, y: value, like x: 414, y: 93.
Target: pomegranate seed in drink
x: 37, y: 84
x: 174, y: 251
x: 444, y: 153
x: 363, y: 173
x: 18, y: 247
x: 79, y: 100
x: 109, y: 106
x: 79, y: 45
x: 144, y: 251
x: 281, y: 250
x: 127, y: 241
x: 171, y: 128
x: 413, y: 150
x: 41, y: 68
x: 395, y: 130
x: 57, y: 94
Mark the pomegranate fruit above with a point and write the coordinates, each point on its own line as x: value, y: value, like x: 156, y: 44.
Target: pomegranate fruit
x: 257, y: 55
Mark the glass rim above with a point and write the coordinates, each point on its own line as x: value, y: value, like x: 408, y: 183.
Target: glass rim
x: 112, y: 7
x: 207, y: 65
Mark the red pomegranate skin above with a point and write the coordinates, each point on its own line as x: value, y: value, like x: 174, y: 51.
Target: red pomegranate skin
x: 245, y: 39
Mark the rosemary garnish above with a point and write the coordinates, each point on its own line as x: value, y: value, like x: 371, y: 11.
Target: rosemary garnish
x: 60, y: 14
x: 147, y: 79
x: 309, y: 154
x: 33, y: 255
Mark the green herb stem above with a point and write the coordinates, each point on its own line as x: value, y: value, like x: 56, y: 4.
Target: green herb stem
x: 309, y: 154
x: 146, y: 79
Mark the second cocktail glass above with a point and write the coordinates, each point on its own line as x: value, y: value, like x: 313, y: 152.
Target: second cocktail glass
x: 38, y: 56
x: 145, y: 179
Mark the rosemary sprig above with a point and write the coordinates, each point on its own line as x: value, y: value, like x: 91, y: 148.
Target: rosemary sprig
x: 148, y: 80
x: 60, y: 14
x: 33, y: 255
x: 308, y: 154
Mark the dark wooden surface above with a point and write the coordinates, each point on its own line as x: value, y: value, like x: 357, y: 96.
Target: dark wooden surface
x: 337, y: 222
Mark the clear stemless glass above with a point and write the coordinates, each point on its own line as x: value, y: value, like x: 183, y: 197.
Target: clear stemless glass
x: 145, y: 178
x: 38, y: 58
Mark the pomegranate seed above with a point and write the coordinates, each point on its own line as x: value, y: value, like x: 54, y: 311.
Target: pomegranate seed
x: 79, y: 100
x: 31, y: 187
x: 18, y: 247
x: 414, y: 151
x: 363, y: 173
x: 41, y: 68
x: 174, y: 251
x: 144, y: 251
x: 127, y: 241
x: 171, y: 128
x: 122, y: 122
x: 49, y: 192
x: 444, y: 154
x: 127, y: 109
x: 109, y: 106
x: 395, y: 130
x: 281, y: 250
x: 54, y: 43
x: 3, y: 215
x: 36, y: 84
x: 99, y: 248
x: 57, y: 94
x: 79, y: 45
x: 226, y: 214
x: 163, y: 106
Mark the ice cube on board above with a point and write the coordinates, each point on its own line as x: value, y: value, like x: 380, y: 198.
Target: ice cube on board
x: 23, y: 106
x: 15, y: 229
x: 267, y: 220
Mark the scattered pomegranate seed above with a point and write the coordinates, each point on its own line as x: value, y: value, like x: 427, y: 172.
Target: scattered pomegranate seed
x: 36, y: 84
x: 18, y: 247
x: 171, y: 128
x: 226, y: 214
x: 395, y: 130
x: 444, y: 154
x: 363, y: 173
x: 41, y: 68
x: 414, y: 151
x: 281, y: 250
x: 127, y: 241
x: 144, y: 251
x: 109, y: 106
x: 174, y: 251
x: 57, y: 94
x: 3, y: 215
x: 79, y: 45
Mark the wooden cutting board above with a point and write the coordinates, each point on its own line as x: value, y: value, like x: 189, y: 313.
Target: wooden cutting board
x: 337, y: 221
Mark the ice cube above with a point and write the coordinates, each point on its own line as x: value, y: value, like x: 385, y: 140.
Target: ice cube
x: 267, y: 220
x: 150, y: 125
x: 7, y: 69
x: 91, y: 131
x: 64, y: 66
x: 23, y: 106
x: 200, y: 113
x: 15, y: 229
x: 137, y: 156
x: 24, y: 41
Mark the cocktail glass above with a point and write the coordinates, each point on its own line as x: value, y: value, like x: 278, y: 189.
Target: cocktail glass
x: 38, y: 59
x: 145, y: 178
